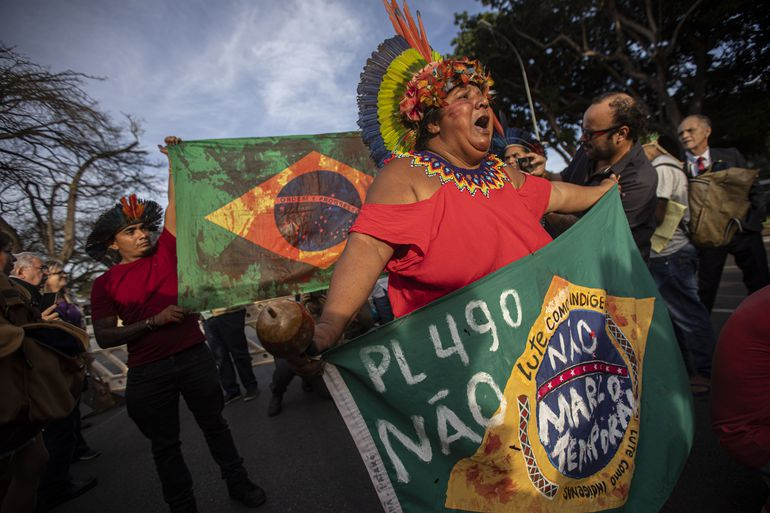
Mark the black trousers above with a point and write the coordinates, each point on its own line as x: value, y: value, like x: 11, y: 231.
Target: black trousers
x: 749, y: 252
x: 61, y: 439
x: 152, y: 402
x: 284, y: 373
x: 231, y: 351
x: 282, y: 376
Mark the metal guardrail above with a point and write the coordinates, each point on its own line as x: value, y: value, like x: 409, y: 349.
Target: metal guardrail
x: 110, y: 367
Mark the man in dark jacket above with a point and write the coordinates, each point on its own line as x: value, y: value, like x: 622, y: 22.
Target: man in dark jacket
x: 29, y: 273
x: 746, y: 246
x: 38, y: 385
x: 57, y: 485
x: 22, y: 452
x: 612, y: 125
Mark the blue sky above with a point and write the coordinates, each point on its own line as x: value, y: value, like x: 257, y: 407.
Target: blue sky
x: 208, y: 70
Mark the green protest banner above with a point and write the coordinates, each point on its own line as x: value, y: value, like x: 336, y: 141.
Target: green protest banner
x: 552, y: 385
x: 262, y: 218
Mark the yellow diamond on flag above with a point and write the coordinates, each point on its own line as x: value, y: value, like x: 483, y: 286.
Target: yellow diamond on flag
x: 302, y: 213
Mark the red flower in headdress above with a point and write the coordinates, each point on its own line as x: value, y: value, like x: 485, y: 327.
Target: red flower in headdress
x: 430, y: 86
x: 409, y: 106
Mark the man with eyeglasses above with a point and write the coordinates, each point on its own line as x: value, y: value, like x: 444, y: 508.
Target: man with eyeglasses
x: 23, y: 455
x: 609, y: 145
x: 29, y: 273
x: 57, y: 484
x: 32, y: 465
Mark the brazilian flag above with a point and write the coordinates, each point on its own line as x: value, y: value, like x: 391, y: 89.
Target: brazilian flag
x: 553, y: 385
x: 264, y: 217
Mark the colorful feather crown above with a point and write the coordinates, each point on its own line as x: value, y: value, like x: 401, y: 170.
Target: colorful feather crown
x: 130, y: 210
x: 401, y: 80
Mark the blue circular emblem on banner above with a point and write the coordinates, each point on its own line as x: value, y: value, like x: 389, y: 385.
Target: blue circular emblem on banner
x: 584, y: 396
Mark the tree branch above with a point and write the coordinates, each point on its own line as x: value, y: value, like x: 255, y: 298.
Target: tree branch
x: 11, y: 231
x: 675, y: 35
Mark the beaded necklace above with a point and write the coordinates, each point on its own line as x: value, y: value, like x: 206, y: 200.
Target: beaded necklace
x: 490, y: 175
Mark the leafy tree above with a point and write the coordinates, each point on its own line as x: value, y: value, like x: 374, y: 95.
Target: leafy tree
x: 62, y: 160
x: 679, y: 57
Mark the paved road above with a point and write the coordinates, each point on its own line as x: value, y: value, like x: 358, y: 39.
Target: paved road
x: 306, y: 461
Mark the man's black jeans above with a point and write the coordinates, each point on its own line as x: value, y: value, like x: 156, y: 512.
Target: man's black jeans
x: 748, y: 249
x: 152, y: 401
x: 228, y: 340
x: 60, y: 438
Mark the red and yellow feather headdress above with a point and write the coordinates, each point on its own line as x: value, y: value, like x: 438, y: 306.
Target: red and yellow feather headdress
x: 131, y: 210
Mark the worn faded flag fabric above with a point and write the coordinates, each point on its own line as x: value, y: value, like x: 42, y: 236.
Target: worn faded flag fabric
x: 552, y: 385
x: 267, y: 217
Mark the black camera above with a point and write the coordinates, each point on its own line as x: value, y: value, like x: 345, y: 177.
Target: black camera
x: 525, y: 164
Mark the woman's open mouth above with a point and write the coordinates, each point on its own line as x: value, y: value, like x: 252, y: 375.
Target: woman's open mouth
x: 482, y: 123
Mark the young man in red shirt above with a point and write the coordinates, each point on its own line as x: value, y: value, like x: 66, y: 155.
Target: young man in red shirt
x: 167, y: 354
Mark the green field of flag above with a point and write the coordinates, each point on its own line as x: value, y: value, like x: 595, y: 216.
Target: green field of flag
x: 265, y: 217
x: 552, y: 385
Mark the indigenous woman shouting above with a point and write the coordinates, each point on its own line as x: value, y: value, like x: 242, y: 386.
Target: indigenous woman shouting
x: 443, y: 212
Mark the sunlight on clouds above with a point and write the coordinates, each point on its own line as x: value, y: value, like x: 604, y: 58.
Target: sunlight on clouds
x: 293, y: 67
x: 237, y: 68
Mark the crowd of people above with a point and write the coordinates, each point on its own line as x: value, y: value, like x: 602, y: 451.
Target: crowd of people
x: 43, y: 357
x: 454, y: 177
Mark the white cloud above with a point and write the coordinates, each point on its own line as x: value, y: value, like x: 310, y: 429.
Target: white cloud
x: 233, y: 68
x: 308, y: 80
x: 278, y: 71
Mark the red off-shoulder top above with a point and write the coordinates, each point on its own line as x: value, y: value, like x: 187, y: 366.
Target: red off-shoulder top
x: 454, y: 238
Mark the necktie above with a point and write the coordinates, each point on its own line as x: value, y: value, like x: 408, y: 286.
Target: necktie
x: 700, y: 164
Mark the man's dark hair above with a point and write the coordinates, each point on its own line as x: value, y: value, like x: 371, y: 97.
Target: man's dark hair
x: 111, y: 257
x: 148, y: 213
x: 432, y: 115
x: 626, y: 111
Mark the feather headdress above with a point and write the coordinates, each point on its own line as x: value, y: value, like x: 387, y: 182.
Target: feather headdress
x: 130, y: 210
x: 512, y: 136
x: 402, y: 79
